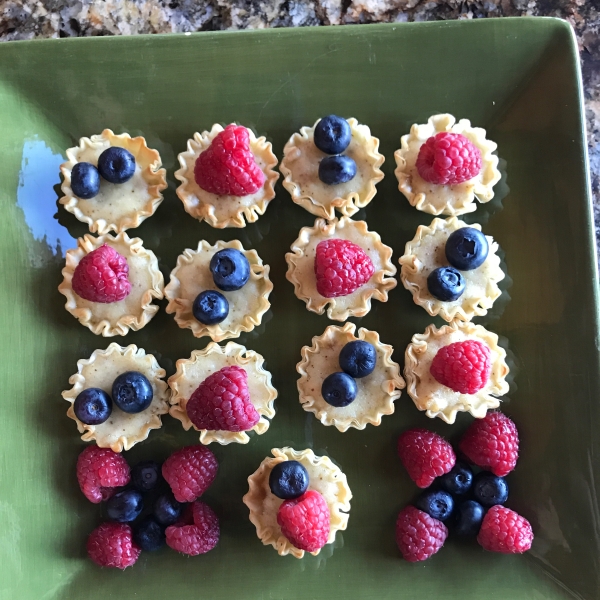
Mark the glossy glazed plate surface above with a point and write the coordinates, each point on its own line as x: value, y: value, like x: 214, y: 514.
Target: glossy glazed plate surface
x: 518, y: 79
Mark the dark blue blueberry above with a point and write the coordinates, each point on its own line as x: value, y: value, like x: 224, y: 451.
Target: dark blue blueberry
x: 132, y: 392
x: 466, y: 248
x: 125, y: 506
x: 336, y: 169
x: 332, y: 135
x: 437, y: 504
x: 339, y: 389
x: 85, y: 180
x: 149, y: 535
x: 488, y: 489
x: 145, y: 475
x: 468, y: 516
x: 358, y: 358
x: 230, y: 269
x: 288, y: 479
x: 459, y: 480
x: 210, y: 307
x: 92, y: 406
x: 116, y: 165
x: 446, y: 284
x: 167, y: 510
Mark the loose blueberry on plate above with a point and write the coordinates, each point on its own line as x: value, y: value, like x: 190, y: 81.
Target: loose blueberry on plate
x: 358, y: 358
x: 149, y: 535
x: 85, y: 180
x: 459, y: 480
x: 230, y: 269
x: 125, y: 506
x: 167, y: 510
x: 336, y: 169
x: 332, y: 134
x: 488, y: 489
x: 446, y: 284
x: 466, y: 248
x: 92, y: 406
x: 339, y: 389
x: 468, y: 517
x: 210, y: 307
x: 132, y: 392
x: 288, y: 479
x: 436, y: 503
x: 145, y: 475
x: 116, y: 165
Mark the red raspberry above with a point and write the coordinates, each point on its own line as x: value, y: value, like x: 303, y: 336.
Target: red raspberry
x: 492, y: 443
x: 341, y: 267
x: 503, y: 530
x: 227, y: 167
x: 222, y: 402
x: 425, y: 455
x: 190, y: 471
x: 198, y: 538
x: 304, y: 521
x: 100, y: 471
x: 112, y: 545
x: 101, y: 276
x: 418, y: 535
x: 464, y: 367
x: 448, y: 158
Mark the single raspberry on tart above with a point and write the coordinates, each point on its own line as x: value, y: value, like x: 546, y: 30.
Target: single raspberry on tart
x: 462, y: 366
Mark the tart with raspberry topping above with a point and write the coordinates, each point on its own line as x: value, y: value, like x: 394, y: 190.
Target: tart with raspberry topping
x: 227, y: 176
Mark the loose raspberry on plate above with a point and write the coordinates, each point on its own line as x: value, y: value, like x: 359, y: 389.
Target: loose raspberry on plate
x: 227, y: 167
x: 425, y: 455
x: 464, y: 367
x: 448, y: 158
x: 190, y: 472
x: 112, y: 545
x: 503, y: 530
x: 100, y: 471
x: 492, y: 443
x: 102, y: 276
x: 222, y: 402
x: 418, y: 535
x: 305, y: 521
x: 199, y: 537
x: 341, y: 268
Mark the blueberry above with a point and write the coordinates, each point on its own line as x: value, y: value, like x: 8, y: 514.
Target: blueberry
x: 145, y: 475
x: 336, y: 169
x: 132, y: 392
x: 125, y: 506
x: 92, y: 406
x: 446, y: 284
x: 230, y: 269
x: 339, y: 389
x: 85, y: 180
x: 167, y: 510
x: 116, y: 165
x: 288, y: 479
x: 210, y: 307
x: 459, y: 480
x: 468, y: 516
x: 437, y: 504
x: 466, y: 248
x: 488, y: 489
x: 149, y: 535
x: 358, y: 358
x: 332, y: 135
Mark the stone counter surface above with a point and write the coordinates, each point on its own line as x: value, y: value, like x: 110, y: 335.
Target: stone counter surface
x: 27, y: 19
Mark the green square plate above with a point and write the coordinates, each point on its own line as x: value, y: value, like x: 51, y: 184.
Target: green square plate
x: 517, y: 78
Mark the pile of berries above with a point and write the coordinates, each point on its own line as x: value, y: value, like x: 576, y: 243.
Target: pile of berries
x: 332, y: 136
x: 469, y: 503
x: 149, y: 505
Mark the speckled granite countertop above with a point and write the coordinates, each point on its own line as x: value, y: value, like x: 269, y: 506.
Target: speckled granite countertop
x: 26, y: 19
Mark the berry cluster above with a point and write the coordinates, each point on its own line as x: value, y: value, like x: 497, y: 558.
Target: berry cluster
x: 333, y: 135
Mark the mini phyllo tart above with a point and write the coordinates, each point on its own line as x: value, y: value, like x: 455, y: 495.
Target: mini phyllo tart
x: 333, y: 165
x: 118, y: 396
x: 442, y: 166
x: 223, y: 392
x: 348, y: 381
x: 457, y: 368
x: 219, y: 290
x: 110, y: 282
x: 227, y: 176
x: 112, y: 182
x: 340, y: 265
x: 452, y: 269
x: 298, y: 501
